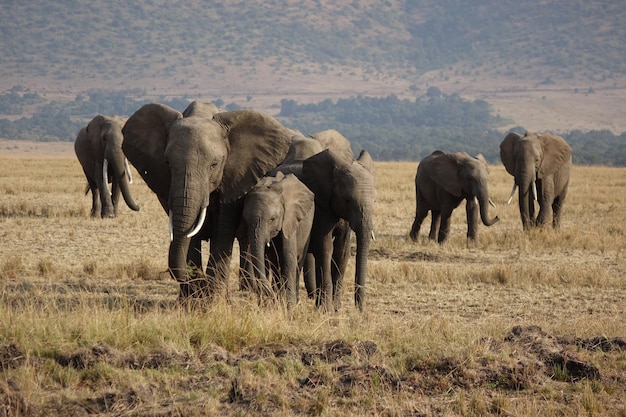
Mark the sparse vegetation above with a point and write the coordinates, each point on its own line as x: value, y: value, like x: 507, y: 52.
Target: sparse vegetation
x: 529, y: 324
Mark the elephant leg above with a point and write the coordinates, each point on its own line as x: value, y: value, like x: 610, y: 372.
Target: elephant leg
x: 341, y: 254
x: 545, y: 193
x: 197, y: 285
x: 434, y: 224
x: 324, y: 285
x: 444, y: 228
x: 471, y: 213
x: 115, y: 195
x: 289, y: 271
x: 95, y: 199
x: 308, y: 272
x: 420, y: 215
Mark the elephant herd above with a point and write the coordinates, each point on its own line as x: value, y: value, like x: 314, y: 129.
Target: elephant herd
x: 291, y: 201
x: 540, y: 164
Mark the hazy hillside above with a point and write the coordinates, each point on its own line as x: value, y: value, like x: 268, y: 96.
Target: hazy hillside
x: 558, y: 64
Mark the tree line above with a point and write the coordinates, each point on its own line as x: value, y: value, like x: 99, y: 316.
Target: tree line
x: 389, y: 128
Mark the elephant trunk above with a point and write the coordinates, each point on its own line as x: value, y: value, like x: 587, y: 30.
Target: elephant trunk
x: 117, y: 166
x: 363, y: 239
x: 483, y: 202
x: 258, y: 241
x: 183, y: 216
x: 525, y: 180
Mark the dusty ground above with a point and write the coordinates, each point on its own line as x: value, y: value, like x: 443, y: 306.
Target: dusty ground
x: 516, y: 324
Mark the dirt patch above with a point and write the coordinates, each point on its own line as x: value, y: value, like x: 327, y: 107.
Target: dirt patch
x: 524, y: 360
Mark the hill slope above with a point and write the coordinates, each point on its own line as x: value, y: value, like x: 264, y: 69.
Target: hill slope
x: 256, y: 52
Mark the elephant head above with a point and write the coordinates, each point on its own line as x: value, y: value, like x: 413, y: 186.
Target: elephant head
x: 345, y: 190
x: 531, y: 159
x: 278, y: 205
x: 185, y: 159
x: 465, y: 177
x: 99, y: 150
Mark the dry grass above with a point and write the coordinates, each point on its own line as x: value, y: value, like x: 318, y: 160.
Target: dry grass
x: 89, y: 322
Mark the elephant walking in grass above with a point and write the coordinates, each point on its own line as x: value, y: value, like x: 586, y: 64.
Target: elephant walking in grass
x: 344, y: 199
x: 98, y: 148
x: 442, y: 182
x: 540, y: 164
x: 277, y: 218
x: 197, y: 159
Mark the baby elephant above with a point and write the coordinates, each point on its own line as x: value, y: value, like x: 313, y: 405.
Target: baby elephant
x: 442, y: 181
x: 277, y: 215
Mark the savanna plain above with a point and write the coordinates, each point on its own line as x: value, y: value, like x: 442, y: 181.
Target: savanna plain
x: 515, y: 324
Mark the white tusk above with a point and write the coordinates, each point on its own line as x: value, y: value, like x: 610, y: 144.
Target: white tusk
x: 171, y: 226
x: 105, y: 175
x: 492, y: 204
x: 199, y: 224
x: 534, y: 191
x: 373, y: 235
x: 127, y: 168
x: 268, y: 244
x: 512, y: 193
x: 475, y: 200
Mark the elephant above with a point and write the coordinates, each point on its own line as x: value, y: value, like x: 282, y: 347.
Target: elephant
x: 198, y: 164
x: 442, y: 181
x: 278, y: 214
x: 98, y: 148
x: 540, y: 164
x: 344, y: 199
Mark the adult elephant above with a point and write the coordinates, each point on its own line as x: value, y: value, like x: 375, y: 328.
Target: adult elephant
x: 344, y: 199
x: 98, y: 148
x: 442, y: 182
x: 540, y: 164
x: 185, y: 160
x: 278, y: 214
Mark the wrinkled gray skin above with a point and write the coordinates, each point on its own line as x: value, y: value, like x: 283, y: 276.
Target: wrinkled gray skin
x: 546, y: 160
x: 197, y: 162
x: 278, y: 215
x: 102, y: 140
x: 442, y: 182
x: 344, y: 199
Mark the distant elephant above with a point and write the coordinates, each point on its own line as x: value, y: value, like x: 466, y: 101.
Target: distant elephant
x: 98, y: 148
x: 540, y: 164
x: 189, y: 162
x: 442, y: 181
x: 278, y: 214
x: 344, y: 199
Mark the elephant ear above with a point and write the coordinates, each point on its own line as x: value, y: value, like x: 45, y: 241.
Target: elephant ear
x: 444, y: 172
x: 145, y: 138
x: 365, y: 160
x: 93, y: 130
x: 556, y: 152
x: 337, y: 143
x: 482, y: 161
x: 257, y: 143
x: 506, y: 151
x: 318, y: 175
x: 298, y: 201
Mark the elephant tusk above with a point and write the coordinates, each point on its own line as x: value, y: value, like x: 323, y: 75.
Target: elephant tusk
x: 492, y: 204
x: 534, y: 191
x: 127, y: 169
x: 105, y: 175
x: 475, y: 199
x: 512, y: 194
x: 199, y: 224
x: 171, y: 226
x: 373, y: 235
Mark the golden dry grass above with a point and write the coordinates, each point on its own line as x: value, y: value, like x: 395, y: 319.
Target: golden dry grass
x: 89, y: 322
